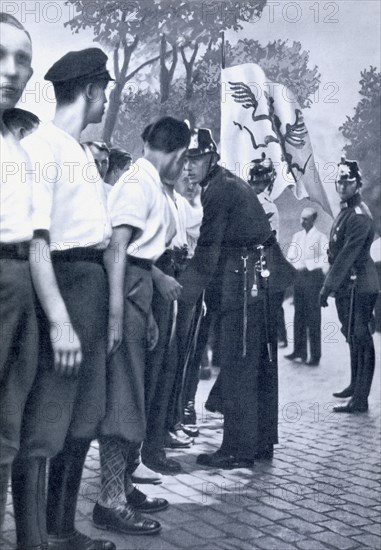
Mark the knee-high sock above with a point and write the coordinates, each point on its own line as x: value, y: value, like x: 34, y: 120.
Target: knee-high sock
x: 113, y: 468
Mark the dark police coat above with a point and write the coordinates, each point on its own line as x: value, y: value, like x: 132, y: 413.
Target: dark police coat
x: 234, y: 223
x: 351, y: 237
x: 233, y: 218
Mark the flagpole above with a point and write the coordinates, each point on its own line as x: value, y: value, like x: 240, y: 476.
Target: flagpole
x: 223, y: 50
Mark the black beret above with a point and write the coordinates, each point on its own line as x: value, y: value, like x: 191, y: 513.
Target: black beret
x: 87, y: 63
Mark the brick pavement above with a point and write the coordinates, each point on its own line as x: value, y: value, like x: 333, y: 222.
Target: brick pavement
x: 321, y: 491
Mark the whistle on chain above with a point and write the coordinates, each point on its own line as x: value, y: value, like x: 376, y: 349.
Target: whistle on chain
x: 261, y: 268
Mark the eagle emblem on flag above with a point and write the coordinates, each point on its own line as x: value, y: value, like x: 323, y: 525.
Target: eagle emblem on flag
x: 259, y: 114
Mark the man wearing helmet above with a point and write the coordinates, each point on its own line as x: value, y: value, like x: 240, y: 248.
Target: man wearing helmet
x: 353, y: 279
x: 234, y: 237
x: 262, y: 175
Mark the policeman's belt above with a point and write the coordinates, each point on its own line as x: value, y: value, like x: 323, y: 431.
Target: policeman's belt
x: 78, y: 254
x: 140, y: 262
x: 14, y: 251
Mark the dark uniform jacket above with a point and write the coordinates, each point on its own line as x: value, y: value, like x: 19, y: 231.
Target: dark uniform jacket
x: 351, y: 237
x: 233, y: 218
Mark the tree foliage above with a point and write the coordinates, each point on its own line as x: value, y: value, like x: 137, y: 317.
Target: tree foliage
x: 136, y: 32
x: 363, y: 134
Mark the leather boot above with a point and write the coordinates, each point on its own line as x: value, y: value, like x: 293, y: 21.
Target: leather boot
x: 4, y: 477
x: 365, y: 374
x: 65, y: 475
x: 348, y: 391
x: 28, y: 488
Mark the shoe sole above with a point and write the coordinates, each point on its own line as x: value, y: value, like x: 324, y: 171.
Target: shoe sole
x: 128, y: 531
x: 145, y: 481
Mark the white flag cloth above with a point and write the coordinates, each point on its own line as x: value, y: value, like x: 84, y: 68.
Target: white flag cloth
x: 258, y: 116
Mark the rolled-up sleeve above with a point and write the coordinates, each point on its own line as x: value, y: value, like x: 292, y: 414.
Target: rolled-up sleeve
x: 44, y: 174
x: 128, y: 203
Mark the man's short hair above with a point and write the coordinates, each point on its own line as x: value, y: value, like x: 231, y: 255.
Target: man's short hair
x: 167, y: 135
x: 11, y: 20
x: 66, y: 92
x: 118, y: 159
x: 101, y: 145
x: 19, y: 118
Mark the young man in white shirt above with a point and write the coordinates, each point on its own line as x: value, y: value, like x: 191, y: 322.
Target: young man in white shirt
x: 143, y: 227
x: 18, y: 349
x: 308, y: 254
x: 71, y: 231
x: 162, y: 393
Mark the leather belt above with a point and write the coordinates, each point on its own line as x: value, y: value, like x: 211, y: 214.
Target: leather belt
x: 14, y: 251
x: 78, y: 254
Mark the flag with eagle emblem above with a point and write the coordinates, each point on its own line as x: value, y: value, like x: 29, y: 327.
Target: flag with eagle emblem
x: 258, y: 115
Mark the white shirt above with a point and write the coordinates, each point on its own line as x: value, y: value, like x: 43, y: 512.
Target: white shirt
x: 69, y: 198
x: 16, y: 192
x: 188, y: 221
x: 270, y: 208
x: 309, y: 250
x: 375, y: 250
x: 138, y: 199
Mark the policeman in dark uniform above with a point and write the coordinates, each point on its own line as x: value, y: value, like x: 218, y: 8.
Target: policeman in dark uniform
x: 238, y: 252
x: 353, y: 279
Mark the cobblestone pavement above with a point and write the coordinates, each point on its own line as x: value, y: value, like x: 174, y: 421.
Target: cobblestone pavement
x: 321, y: 491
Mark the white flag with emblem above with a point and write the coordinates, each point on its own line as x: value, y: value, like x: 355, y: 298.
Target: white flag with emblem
x: 259, y: 115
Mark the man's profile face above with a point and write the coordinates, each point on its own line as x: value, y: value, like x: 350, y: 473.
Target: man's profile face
x: 175, y: 164
x: 15, y: 64
x: 98, y: 102
x: 101, y: 158
x: 197, y: 168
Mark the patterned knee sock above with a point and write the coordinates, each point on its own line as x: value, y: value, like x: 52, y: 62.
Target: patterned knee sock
x: 113, y: 466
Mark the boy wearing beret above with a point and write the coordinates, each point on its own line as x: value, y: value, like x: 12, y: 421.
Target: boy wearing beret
x: 71, y: 231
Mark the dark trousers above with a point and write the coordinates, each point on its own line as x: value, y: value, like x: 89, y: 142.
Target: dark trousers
x: 125, y: 417
x: 60, y: 406
x: 18, y: 360
x: 18, y: 351
x: 307, y: 317
x: 360, y: 340
x: 249, y: 384
x: 62, y: 414
x: 160, y: 369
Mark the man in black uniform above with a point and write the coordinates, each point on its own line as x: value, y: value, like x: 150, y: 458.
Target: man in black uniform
x: 353, y: 279
x: 235, y: 237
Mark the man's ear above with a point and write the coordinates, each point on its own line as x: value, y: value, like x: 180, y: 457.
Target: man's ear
x: 89, y: 92
x: 92, y: 91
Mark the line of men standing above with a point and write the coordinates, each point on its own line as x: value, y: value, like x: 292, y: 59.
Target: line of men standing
x: 93, y: 270
x: 61, y: 238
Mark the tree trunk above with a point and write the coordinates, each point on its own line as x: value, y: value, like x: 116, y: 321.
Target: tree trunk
x: 166, y: 75
x: 189, y: 71
x: 112, y: 111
